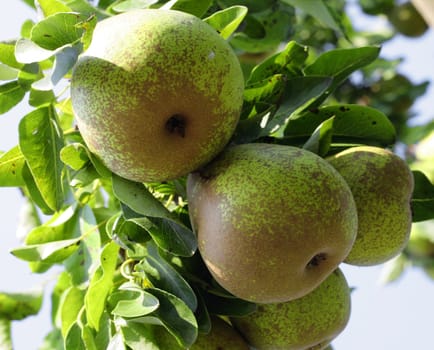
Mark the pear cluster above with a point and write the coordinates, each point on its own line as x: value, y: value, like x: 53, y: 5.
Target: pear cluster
x: 273, y: 222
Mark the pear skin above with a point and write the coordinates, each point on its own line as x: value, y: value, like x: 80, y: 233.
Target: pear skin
x: 307, y: 323
x: 382, y: 186
x: 272, y: 221
x: 157, y: 94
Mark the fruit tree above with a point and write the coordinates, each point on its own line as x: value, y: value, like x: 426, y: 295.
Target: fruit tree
x: 198, y: 172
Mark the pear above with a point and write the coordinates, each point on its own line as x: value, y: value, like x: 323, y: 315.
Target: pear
x: 407, y: 20
x: 307, y: 323
x: 157, y: 94
x: 382, y: 186
x: 221, y: 336
x: 272, y: 221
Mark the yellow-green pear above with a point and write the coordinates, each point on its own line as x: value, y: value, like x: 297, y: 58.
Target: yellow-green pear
x: 222, y: 336
x: 157, y: 94
x: 307, y: 323
x: 382, y: 186
x: 272, y: 221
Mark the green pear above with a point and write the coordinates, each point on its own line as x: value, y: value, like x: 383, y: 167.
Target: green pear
x: 407, y: 20
x: 272, y: 221
x: 382, y: 186
x: 222, y: 336
x: 157, y: 94
x: 307, y: 323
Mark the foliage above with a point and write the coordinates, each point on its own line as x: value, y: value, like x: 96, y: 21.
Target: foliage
x: 127, y: 249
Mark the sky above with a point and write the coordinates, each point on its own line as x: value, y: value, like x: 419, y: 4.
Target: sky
x: 397, y: 316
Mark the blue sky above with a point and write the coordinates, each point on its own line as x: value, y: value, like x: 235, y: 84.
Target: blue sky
x: 397, y: 316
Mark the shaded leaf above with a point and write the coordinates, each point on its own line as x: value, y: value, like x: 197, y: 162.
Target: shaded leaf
x: 139, y: 336
x: 422, y: 202
x: 320, y: 140
x: 132, y: 303
x: 227, y: 305
x: 40, y: 142
x: 194, y: 7
x: 163, y: 276
x: 227, y: 20
x: 73, y: 339
x: 176, y: 317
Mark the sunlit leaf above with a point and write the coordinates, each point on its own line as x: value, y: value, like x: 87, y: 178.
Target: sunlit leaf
x: 133, y: 303
x: 320, y: 140
x: 11, y: 94
x: 51, y: 7
x: 227, y: 20
x: 139, y: 336
x: 5, y: 333
x: 72, y: 303
x: 40, y: 143
x: 194, y: 7
x: 11, y: 168
x: 129, y: 5
x: 100, y: 285
x: 16, y: 306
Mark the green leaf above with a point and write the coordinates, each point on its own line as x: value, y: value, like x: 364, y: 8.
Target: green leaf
x: 288, y: 62
x: 40, y: 142
x: 73, y: 339
x: 8, y: 73
x: 17, y: 306
x: 40, y: 98
x: 51, y: 7
x: 227, y: 305
x: 194, y: 7
x: 72, y: 303
x: 352, y: 123
x: 129, y: 5
x: 267, y: 91
x: 58, y: 30
x: 141, y: 201
x: 265, y: 31
x: 139, y: 336
x: 422, y: 202
x: 5, y: 333
x: 227, y: 21
x: 11, y: 94
x: 163, y: 276
x: 53, y: 340
x: 317, y: 9
x: 320, y: 140
x: 339, y: 64
x: 7, y: 55
x: 34, y: 193
x: 133, y: 303
x: 11, y: 168
x: 176, y: 317
x: 101, y: 284
x: 48, y: 253
x: 74, y: 155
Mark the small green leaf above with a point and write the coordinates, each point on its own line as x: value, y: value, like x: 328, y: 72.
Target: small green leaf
x: 58, y: 30
x: 320, y: 140
x: 422, y: 202
x: 288, y: 62
x: 74, y: 155
x: 176, y: 317
x: 49, y: 253
x: 11, y: 168
x: 40, y: 142
x: 72, y: 303
x: 163, y: 276
x: 7, y: 55
x: 40, y: 98
x: 8, y: 73
x: 101, y: 284
x: 227, y: 20
x: 11, y: 94
x: 26, y: 51
x: 132, y: 303
x: 17, y: 306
